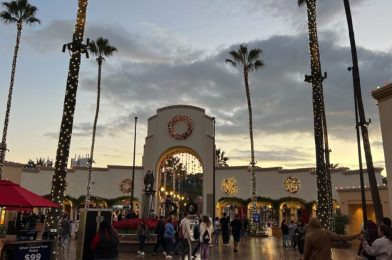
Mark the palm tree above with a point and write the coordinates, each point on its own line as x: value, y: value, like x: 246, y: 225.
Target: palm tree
x: 76, y: 48
x: 324, y: 188
x: 221, y: 159
x: 249, y: 61
x: 19, y: 12
x: 101, y: 49
x: 360, y: 114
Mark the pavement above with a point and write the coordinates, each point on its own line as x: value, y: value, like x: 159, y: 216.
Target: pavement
x: 269, y: 248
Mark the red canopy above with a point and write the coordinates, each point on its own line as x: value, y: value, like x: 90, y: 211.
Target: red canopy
x: 12, y: 195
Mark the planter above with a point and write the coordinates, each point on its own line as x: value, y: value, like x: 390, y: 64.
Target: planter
x: 133, y: 238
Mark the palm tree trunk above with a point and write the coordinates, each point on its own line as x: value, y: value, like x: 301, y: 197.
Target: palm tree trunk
x: 60, y: 170
x: 3, y: 144
x: 91, y: 161
x: 362, y: 119
x: 252, y: 153
x: 323, y: 181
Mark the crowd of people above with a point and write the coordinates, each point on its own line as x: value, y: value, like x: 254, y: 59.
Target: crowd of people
x: 188, y: 236
x: 314, y: 242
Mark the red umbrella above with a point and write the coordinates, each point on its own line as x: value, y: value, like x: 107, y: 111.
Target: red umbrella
x: 12, y: 195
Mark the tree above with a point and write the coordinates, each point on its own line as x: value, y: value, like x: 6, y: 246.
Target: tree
x: 221, y: 159
x: 19, y: 12
x: 76, y: 48
x: 101, y: 49
x: 324, y: 187
x: 249, y: 61
x: 360, y: 114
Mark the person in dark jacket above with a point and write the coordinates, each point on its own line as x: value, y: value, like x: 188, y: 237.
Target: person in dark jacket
x: 224, y: 222
x: 285, y: 234
x: 105, y: 243
x: 236, y: 228
x: 160, y: 231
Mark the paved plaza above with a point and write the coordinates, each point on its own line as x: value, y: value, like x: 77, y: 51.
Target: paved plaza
x: 269, y: 248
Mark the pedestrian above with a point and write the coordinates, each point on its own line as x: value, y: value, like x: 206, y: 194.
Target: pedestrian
x: 105, y: 243
x: 160, y: 231
x: 185, y: 236
x: 370, y: 234
x: 217, y: 229
x: 141, y: 232
x: 169, y: 237
x: 196, y: 237
x: 318, y: 241
x: 245, y: 225
x: 386, y: 221
x: 381, y: 247
x: 65, y: 231
x: 285, y: 233
x: 300, y: 232
x: 292, y: 227
x: 224, y: 223
x: 236, y: 228
x: 205, y: 238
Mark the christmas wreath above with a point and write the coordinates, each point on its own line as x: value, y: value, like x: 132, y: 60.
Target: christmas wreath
x: 187, y: 120
x: 291, y: 184
x: 126, y: 186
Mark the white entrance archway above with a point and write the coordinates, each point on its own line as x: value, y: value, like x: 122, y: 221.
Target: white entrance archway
x: 181, y: 128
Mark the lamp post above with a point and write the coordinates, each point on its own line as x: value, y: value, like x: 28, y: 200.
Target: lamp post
x: 362, y: 123
x: 213, y: 174
x: 133, y: 166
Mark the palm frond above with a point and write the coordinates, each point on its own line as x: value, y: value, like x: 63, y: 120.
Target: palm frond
x: 258, y: 64
x: 253, y: 55
x: 301, y: 2
x: 101, y: 48
x: 7, y: 17
x: 19, y: 11
x: 231, y: 62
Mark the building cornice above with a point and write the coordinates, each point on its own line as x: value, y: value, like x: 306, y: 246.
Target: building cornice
x: 180, y: 107
x: 358, y: 188
x: 383, y: 93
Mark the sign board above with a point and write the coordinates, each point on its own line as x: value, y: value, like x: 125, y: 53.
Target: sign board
x: 256, y: 217
x: 36, y: 251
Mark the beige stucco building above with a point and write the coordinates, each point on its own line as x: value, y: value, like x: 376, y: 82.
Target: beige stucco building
x: 188, y: 130
x: 384, y: 98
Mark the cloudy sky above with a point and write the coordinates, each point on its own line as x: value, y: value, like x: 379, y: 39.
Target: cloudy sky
x: 173, y: 52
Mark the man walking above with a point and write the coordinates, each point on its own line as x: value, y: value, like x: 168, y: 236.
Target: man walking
x: 160, y: 236
x: 185, y: 236
x: 224, y: 222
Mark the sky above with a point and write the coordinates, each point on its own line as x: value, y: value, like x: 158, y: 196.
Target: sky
x: 173, y: 52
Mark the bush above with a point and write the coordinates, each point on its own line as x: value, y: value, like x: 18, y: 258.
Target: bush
x: 339, y: 223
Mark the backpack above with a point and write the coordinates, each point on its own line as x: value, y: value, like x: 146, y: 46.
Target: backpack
x: 180, y: 233
x: 206, y: 237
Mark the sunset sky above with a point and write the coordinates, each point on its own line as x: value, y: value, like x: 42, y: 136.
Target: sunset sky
x: 173, y: 52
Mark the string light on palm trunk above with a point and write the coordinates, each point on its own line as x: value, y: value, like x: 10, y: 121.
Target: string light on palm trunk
x: 324, y: 187
x: 75, y: 48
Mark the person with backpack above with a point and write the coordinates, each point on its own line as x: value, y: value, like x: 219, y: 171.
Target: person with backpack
x: 206, y: 230
x: 196, y: 236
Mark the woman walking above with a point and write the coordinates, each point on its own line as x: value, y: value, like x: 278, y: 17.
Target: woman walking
x: 105, y: 243
x: 206, y: 230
